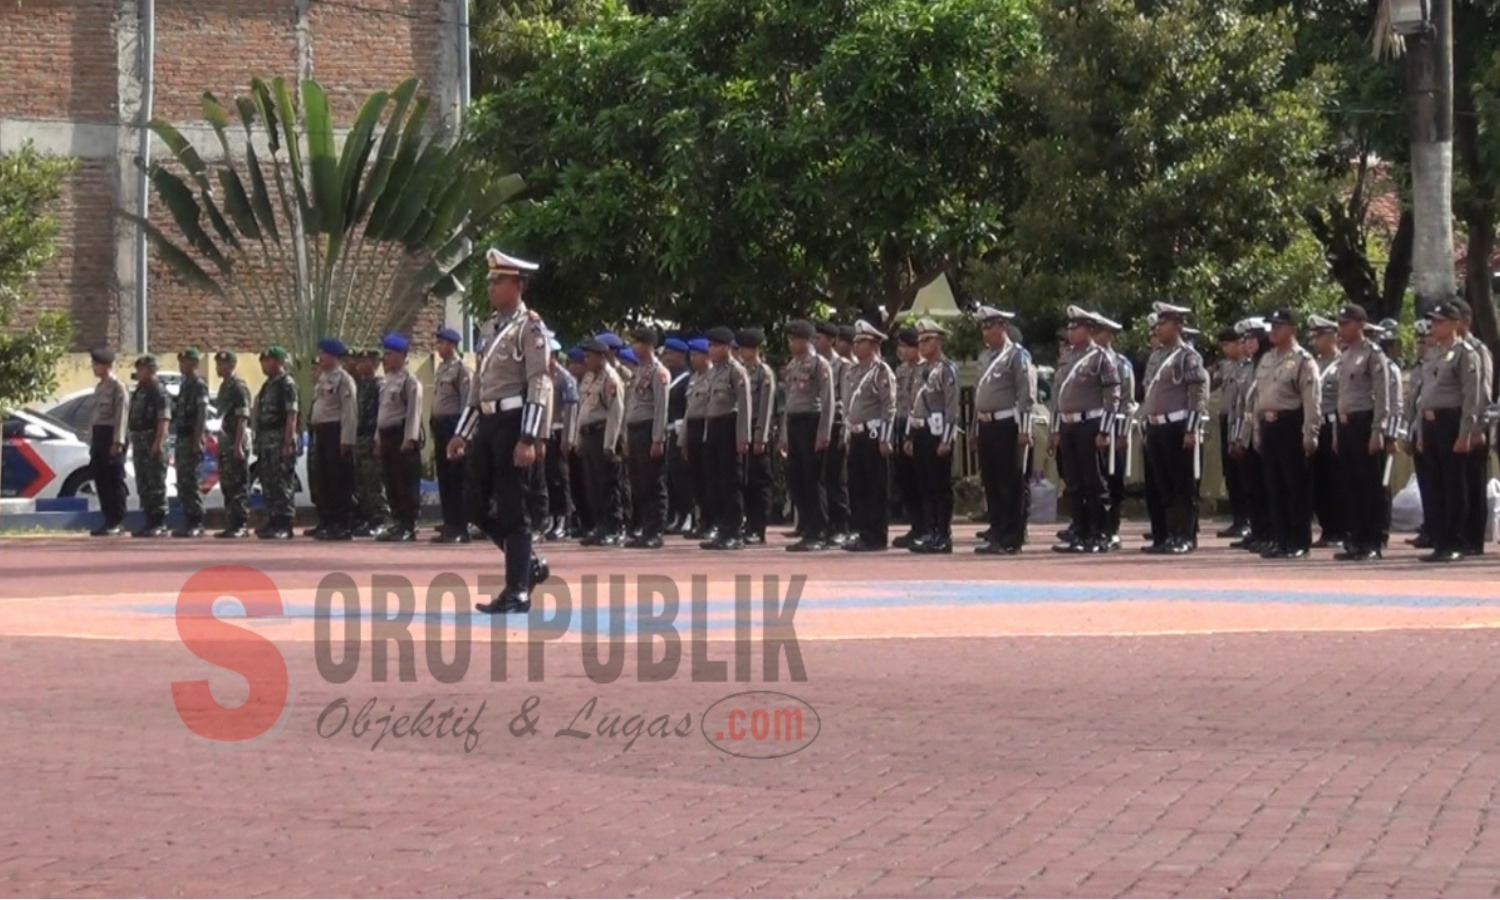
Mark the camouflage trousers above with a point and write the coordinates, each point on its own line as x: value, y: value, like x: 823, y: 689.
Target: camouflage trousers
x: 277, y: 478
x: 369, y: 483
x: 234, y: 482
x: 189, y: 462
x: 150, y: 476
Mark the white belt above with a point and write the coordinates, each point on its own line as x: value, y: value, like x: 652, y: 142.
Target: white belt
x: 490, y: 407
x: 1005, y: 415
x: 874, y: 426
x: 1330, y: 418
x: 1179, y: 416
x: 917, y: 424
x: 1080, y: 417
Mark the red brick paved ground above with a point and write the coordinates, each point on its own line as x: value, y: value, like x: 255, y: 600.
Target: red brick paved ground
x: 1298, y: 762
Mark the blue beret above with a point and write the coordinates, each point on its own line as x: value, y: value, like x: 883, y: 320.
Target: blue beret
x: 610, y: 340
x: 396, y: 343
x: 575, y: 354
x: 677, y: 344
x: 698, y: 345
x: 448, y: 334
x: 332, y: 346
x: 628, y: 355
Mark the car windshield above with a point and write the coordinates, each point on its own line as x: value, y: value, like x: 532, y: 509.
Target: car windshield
x: 43, y: 417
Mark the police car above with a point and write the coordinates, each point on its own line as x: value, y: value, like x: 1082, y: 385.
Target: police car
x: 44, y: 459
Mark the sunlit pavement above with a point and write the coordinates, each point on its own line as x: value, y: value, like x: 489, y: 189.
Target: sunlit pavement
x: 1039, y: 725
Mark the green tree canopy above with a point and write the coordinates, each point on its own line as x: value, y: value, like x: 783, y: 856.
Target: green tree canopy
x: 748, y: 162
x: 1175, y: 160
x: 29, y: 184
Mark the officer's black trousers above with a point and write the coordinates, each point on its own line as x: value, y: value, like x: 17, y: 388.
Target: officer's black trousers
x: 1477, y: 481
x: 758, y: 492
x: 333, y: 472
x: 1448, y: 514
x: 498, y: 493
x: 904, y: 469
x: 602, y: 474
x: 557, y: 470
x: 578, y: 485
x: 450, y: 475
x: 648, y: 482
x: 680, y: 498
x: 1234, y: 480
x: 1006, y: 497
x: 935, y: 481
x: 1329, y: 501
x: 1427, y: 483
x: 869, y: 503
x: 1115, y: 482
x: 1253, y: 472
x: 403, y: 476
x: 1078, y: 455
x: 695, y: 440
x: 804, y: 475
x: 539, y: 499
x: 1363, y: 493
x: 1287, y: 480
x: 836, y: 480
x: 108, y: 472
x: 723, y: 475
x: 1171, y: 466
x: 1156, y: 510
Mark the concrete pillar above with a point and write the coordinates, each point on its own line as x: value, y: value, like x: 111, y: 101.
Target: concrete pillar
x: 131, y: 82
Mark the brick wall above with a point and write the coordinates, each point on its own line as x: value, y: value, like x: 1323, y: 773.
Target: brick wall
x: 59, y: 60
x: 62, y: 64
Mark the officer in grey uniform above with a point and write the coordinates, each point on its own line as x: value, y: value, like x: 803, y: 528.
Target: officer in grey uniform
x: 449, y: 394
x: 1004, y: 397
x: 509, y: 401
x: 763, y: 407
x: 806, y: 434
x: 1255, y: 343
x: 1387, y: 335
x: 1174, y: 411
x: 646, y: 442
x: 108, y: 437
x: 932, y: 424
x: 1285, y: 403
x: 1232, y: 378
x: 910, y: 373
x: 726, y: 440
x: 398, y: 440
x: 1329, y: 503
x: 601, y: 415
x: 1421, y: 462
x: 679, y: 484
x: 558, y: 467
x: 335, y: 428
x: 869, y: 392
x: 835, y: 461
x: 695, y: 433
x: 1450, y: 403
x: 1084, y: 407
x: 1479, y: 458
x: 1105, y: 330
x: 1362, y: 411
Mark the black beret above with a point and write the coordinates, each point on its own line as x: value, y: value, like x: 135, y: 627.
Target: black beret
x: 646, y: 335
x: 1353, y: 313
x: 594, y: 345
x: 846, y: 332
x: 1281, y: 317
x: 102, y: 355
x: 750, y: 337
x: 828, y: 329
x: 907, y: 337
x: 720, y: 335
x: 1228, y: 336
x: 1448, y: 312
x: 1462, y: 305
x: 799, y: 329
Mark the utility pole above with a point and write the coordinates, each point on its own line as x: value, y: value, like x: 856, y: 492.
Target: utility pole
x: 1429, y: 85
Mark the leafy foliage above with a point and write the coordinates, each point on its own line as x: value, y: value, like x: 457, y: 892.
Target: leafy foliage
x: 315, y: 238
x: 743, y: 162
x: 29, y: 184
x: 1175, y: 159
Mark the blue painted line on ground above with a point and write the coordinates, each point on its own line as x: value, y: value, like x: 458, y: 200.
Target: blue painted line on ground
x: 912, y: 597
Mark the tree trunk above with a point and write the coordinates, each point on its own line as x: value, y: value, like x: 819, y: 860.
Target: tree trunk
x: 1429, y: 70
x: 1398, y: 267
x: 1478, y: 288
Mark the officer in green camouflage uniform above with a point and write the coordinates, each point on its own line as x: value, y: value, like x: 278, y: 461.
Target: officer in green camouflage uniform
x: 234, y: 445
x: 370, y: 509
x: 150, y: 416
x: 189, y: 417
x: 275, y: 420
